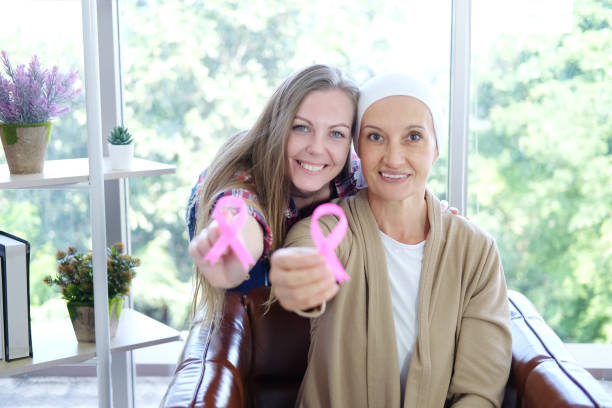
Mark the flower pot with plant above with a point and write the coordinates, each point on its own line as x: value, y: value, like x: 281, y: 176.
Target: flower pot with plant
x: 120, y: 148
x: 75, y: 278
x: 29, y: 98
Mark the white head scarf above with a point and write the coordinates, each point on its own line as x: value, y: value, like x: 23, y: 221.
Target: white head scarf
x: 399, y: 84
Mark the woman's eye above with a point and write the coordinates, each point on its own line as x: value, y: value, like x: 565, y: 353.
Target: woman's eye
x: 300, y: 128
x: 414, y: 137
x: 337, y: 134
x: 375, y: 137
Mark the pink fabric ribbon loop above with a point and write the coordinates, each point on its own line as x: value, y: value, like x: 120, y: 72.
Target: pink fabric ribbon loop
x: 229, y: 231
x: 327, y: 245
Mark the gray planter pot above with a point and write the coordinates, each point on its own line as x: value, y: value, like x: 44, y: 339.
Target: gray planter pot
x: 83, y: 320
x: 25, y: 146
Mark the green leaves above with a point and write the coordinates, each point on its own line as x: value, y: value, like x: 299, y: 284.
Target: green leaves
x: 75, y: 274
x: 9, y: 133
x: 543, y: 168
x: 120, y: 136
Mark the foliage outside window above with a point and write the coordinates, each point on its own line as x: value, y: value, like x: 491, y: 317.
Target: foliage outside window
x: 188, y: 88
x: 541, y: 160
x: 56, y: 218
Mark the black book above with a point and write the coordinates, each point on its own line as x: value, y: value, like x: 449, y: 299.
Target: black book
x: 15, y: 328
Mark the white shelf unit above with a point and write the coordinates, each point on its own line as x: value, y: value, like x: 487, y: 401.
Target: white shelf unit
x: 108, y: 194
x: 54, y: 342
x: 57, y: 173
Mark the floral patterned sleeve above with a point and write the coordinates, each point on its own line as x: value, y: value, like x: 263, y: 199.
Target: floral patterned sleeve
x: 246, y: 195
x: 349, y: 186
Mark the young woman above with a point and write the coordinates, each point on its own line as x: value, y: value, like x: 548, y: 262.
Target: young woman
x: 424, y: 320
x: 296, y: 155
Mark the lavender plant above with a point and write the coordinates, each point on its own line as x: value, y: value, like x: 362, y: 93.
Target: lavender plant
x: 34, y: 95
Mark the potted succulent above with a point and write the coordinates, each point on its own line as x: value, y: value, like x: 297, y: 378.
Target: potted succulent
x: 120, y: 148
x: 75, y: 278
x: 29, y: 98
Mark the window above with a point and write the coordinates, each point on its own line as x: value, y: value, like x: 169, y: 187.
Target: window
x: 193, y: 74
x: 50, y: 219
x: 540, y: 154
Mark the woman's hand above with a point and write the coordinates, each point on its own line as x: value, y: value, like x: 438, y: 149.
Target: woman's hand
x: 228, y: 271
x: 301, y: 279
x: 444, y: 207
x: 453, y: 210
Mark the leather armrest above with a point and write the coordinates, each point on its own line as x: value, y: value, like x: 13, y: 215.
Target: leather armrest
x: 544, y: 373
x: 213, y: 369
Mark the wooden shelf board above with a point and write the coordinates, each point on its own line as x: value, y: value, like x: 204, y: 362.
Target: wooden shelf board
x: 73, y: 171
x: 54, y: 342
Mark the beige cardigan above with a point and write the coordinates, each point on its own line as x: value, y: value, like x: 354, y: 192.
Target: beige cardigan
x: 462, y: 353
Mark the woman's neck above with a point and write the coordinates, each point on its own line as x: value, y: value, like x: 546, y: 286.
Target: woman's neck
x: 303, y: 199
x: 405, y: 221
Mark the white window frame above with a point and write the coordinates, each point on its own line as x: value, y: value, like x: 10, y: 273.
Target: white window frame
x: 459, y: 109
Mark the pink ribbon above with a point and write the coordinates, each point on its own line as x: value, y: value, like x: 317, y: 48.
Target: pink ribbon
x: 327, y: 245
x: 229, y: 231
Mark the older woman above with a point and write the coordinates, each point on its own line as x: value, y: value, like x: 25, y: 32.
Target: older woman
x: 423, y: 321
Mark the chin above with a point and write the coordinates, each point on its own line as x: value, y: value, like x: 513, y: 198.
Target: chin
x: 387, y: 195
x: 309, y: 188
x: 310, y: 184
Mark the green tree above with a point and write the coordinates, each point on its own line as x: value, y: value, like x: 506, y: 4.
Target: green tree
x: 187, y: 90
x: 544, y: 168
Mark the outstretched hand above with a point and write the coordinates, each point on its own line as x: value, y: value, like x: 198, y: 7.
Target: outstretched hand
x: 301, y: 279
x: 228, y: 271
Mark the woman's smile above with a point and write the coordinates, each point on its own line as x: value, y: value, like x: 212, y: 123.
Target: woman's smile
x: 311, y: 167
x: 393, y: 176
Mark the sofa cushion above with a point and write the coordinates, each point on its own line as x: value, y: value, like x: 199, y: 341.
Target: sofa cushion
x: 280, y: 339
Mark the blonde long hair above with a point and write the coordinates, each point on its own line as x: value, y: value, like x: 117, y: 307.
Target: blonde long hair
x: 261, y: 151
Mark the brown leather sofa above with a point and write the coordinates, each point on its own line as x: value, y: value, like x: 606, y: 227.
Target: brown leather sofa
x: 257, y: 359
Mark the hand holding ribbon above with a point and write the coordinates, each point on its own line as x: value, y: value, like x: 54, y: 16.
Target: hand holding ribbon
x: 327, y: 245
x: 229, y: 231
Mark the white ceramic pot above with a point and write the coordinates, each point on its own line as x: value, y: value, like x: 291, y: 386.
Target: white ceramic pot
x: 121, y: 156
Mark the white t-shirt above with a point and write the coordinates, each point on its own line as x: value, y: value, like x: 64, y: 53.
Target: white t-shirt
x: 404, y: 268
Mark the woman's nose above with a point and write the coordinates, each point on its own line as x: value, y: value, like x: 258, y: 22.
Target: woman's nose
x: 393, y: 155
x: 316, y: 143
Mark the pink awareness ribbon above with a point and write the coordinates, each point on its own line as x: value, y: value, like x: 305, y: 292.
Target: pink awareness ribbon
x: 327, y: 245
x: 229, y: 231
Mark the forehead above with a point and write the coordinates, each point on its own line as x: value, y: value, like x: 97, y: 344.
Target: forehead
x: 398, y: 110
x: 328, y: 102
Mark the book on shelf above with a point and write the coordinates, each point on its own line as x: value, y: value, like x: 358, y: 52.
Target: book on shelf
x: 15, y: 328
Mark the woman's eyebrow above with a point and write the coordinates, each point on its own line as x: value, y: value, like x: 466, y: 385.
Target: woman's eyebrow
x: 406, y: 128
x: 341, y: 125
x: 415, y: 126
x: 331, y: 126
x: 304, y: 119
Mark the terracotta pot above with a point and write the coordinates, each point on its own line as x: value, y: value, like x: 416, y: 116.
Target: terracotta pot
x: 83, y: 320
x: 25, y: 146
